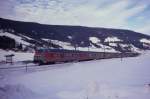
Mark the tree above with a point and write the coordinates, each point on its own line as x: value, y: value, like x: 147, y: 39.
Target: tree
x: 7, y: 43
x: 20, y: 46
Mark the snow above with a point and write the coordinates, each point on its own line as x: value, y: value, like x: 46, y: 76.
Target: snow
x: 11, y: 92
x: 26, y: 37
x: 131, y: 46
x: 95, y: 49
x: 94, y: 39
x: 64, y: 45
x: 113, y: 44
x: 15, y: 37
x: 145, y: 41
x: 45, y: 39
x: 103, y: 48
x: 70, y: 37
x: 98, y: 79
x: 19, y: 56
x: 112, y: 39
x: 68, y: 46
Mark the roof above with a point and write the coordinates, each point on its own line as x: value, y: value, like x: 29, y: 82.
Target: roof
x: 59, y: 50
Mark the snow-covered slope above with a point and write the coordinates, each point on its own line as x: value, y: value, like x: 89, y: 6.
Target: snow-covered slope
x: 95, y: 43
x: 94, y: 39
x: 112, y: 39
x: 145, y: 41
x: 97, y: 46
x: 67, y: 45
x: 100, y: 79
x: 63, y: 45
x: 18, y: 39
x: 69, y: 36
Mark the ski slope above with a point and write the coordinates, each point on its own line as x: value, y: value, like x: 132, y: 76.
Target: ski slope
x: 98, y: 79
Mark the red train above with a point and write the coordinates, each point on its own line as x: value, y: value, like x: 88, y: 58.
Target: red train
x: 51, y: 56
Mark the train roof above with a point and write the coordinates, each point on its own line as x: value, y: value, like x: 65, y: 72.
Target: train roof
x: 67, y: 51
x: 59, y: 50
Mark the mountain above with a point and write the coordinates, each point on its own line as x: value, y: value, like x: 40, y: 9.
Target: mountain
x: 30, y: 34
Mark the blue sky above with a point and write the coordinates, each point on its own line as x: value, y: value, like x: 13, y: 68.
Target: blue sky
x: 122, y: 14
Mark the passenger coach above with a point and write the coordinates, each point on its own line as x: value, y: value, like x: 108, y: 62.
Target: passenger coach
x: 51, y: 56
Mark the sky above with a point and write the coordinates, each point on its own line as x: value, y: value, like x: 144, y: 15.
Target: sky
x: 120, y: 14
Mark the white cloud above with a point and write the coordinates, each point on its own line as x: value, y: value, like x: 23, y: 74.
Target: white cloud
x: 144, y: 29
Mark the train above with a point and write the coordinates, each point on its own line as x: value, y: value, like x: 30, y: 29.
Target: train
x: 52, y: 56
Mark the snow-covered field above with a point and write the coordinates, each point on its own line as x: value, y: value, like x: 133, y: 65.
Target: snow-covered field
x: 19, y: 56
x: 98, y: 79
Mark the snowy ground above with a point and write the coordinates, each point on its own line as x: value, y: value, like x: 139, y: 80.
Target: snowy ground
x: 98, y: 79
x: 19, y: 56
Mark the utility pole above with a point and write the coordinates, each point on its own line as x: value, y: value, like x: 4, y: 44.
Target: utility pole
x: 121, y: 50
x: 104, y: 50
x: 88, y: 49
